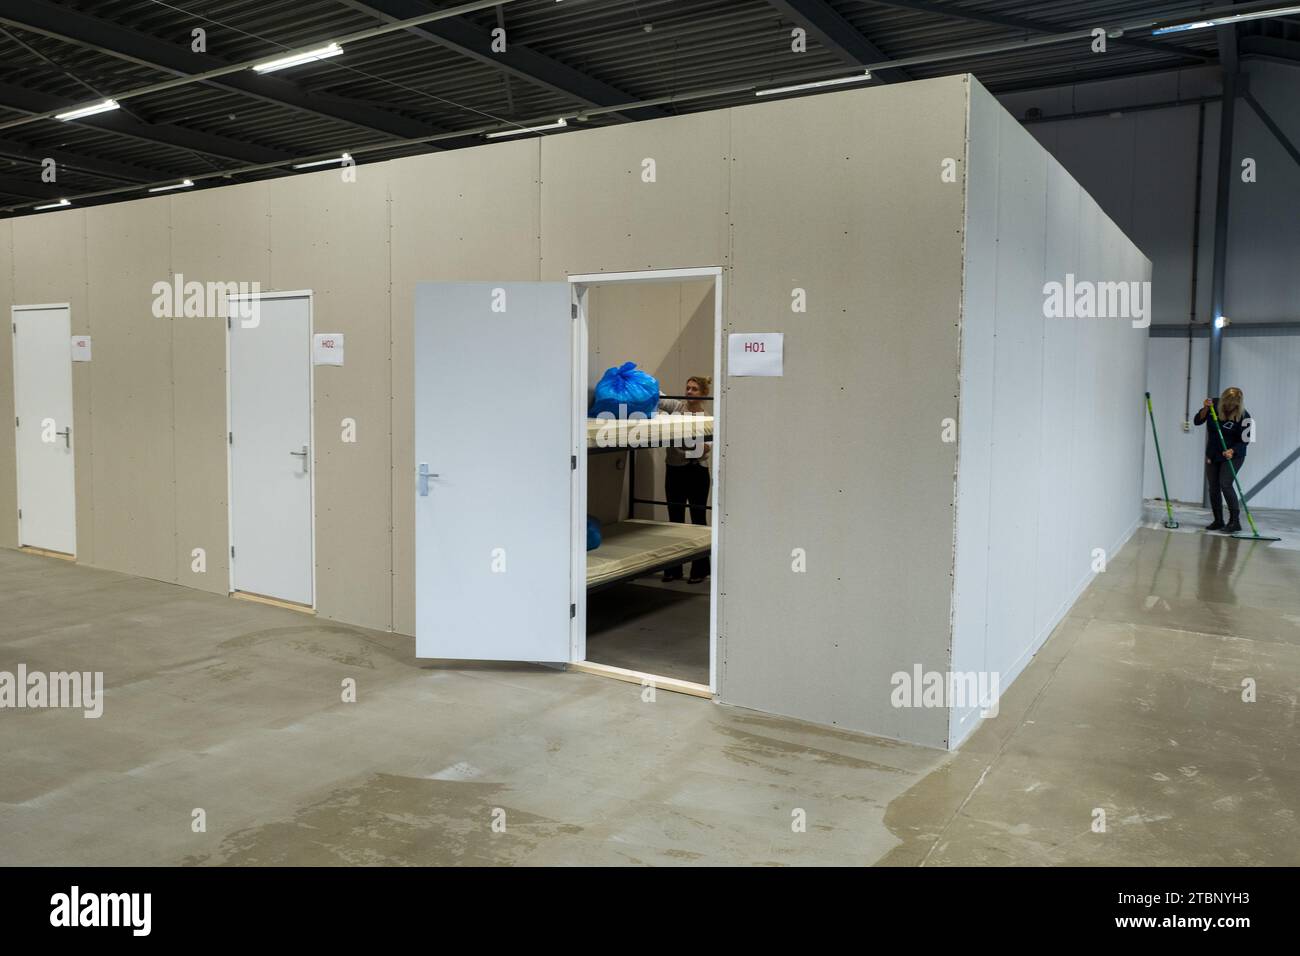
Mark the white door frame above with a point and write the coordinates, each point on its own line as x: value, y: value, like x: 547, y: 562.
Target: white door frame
x: 311, y: 425
x: 578, y: 632
x: 18, y: 458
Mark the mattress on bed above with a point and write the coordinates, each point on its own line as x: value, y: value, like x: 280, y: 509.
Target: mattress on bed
x: 658, y: 432
x: 636, y: 545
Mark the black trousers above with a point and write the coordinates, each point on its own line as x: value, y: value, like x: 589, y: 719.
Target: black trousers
x: 1219, y: 477
x: 688, y: 485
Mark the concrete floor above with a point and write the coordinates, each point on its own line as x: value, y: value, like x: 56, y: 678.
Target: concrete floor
x: 1133, y: 707
x: 651, y: 626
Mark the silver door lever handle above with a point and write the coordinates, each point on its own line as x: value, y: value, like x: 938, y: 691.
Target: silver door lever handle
x: 425, y: 475
x: 67, y: 436
x: 303, y: 455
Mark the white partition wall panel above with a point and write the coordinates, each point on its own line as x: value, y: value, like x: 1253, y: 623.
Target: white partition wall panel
x: 1050, y: 427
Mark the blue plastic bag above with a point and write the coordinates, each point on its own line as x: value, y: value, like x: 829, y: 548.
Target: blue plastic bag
x: 625, y: 389
x: 593, y: 533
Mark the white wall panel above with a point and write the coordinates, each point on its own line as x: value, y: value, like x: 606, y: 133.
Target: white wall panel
x: 1049, y: 463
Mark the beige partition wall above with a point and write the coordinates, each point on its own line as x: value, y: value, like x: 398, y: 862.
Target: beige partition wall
x: 8, y: 467
x: 837, y: 220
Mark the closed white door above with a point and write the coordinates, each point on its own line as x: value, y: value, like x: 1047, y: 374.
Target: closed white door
x: 47, y: 506
x: 271, y: 452
x: 494, y: 447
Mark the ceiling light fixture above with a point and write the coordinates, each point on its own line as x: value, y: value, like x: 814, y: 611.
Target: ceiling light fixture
x: 858, y: 78
x: 1225, y: 20
x: 54, y: 205
x: 297, y: 59
x: 83, y: 111
x: 558, y: 124
x: 345, y: 158
x: 183, y: 184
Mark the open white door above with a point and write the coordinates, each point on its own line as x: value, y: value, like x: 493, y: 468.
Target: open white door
x: 47, y: 508
x: 494, y: 460
x: 271, y: 548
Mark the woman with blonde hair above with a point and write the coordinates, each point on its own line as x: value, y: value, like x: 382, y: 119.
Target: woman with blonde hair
x: 686, y: 475
x: 1238, y: 433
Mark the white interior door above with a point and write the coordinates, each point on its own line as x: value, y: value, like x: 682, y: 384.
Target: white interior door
x: 47, y: 508
x: 494, y: 432
x: 272, y: 552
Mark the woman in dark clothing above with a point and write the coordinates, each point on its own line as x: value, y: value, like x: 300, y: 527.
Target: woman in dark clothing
x: 686, y: 475
x: 1238, y: 428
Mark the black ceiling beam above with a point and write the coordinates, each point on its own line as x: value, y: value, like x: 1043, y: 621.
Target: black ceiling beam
x: 102, y: 168
x: 838, y: 35
x: 73, y: 26
x: 1032, y: 25
x: 23, y: 100
x: 463, y: 36
x: 32, y: 189
x: 1273, y: 47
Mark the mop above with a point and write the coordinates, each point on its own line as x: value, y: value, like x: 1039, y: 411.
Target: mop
x: 1254, y: 535
x: 1169, y: 521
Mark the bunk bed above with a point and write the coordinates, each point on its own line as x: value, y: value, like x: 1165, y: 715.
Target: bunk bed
x: 635, y: 547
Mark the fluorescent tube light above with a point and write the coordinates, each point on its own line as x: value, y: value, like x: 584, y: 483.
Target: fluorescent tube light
x: 297, y: 59
x: 1222, y: 322
x: 527, y: 129
x: 54, y: 205
x: 1225, y: 20
x: 183, y: 184
x: 345, y: 158
x: 812, y: 86
x: 84, y: 111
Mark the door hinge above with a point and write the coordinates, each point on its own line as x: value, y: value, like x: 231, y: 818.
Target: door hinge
x: 15, y: 328
x: 573, y: 611
x: 573, y: 462
x: 20, y: 514
x: 232, y: 550
x: 573, y: 307
x: 230, y: 437
x: 228, y: 323
x: 17, y: 422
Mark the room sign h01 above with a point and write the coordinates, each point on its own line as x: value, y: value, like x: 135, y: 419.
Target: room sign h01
x: 755, y: 353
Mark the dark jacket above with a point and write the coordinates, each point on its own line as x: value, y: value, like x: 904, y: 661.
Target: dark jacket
x: 1234, y: 433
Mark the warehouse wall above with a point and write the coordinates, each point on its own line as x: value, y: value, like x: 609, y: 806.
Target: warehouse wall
x: 1141, y: 168
x: 803, y: 194
x: 1051, y: 424
x: 1265, y: 368
x: 8, y: 465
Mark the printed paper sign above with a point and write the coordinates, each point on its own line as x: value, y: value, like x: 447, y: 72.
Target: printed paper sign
x: 81, y: 348
x: 327, y: 348
x: 755, y: 353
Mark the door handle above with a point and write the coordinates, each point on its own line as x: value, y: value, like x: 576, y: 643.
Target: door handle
x: 303, y: 455
x: 67, y: 436
x: 425, y: 475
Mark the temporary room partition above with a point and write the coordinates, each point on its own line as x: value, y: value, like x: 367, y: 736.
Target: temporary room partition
x: 922, y: 489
